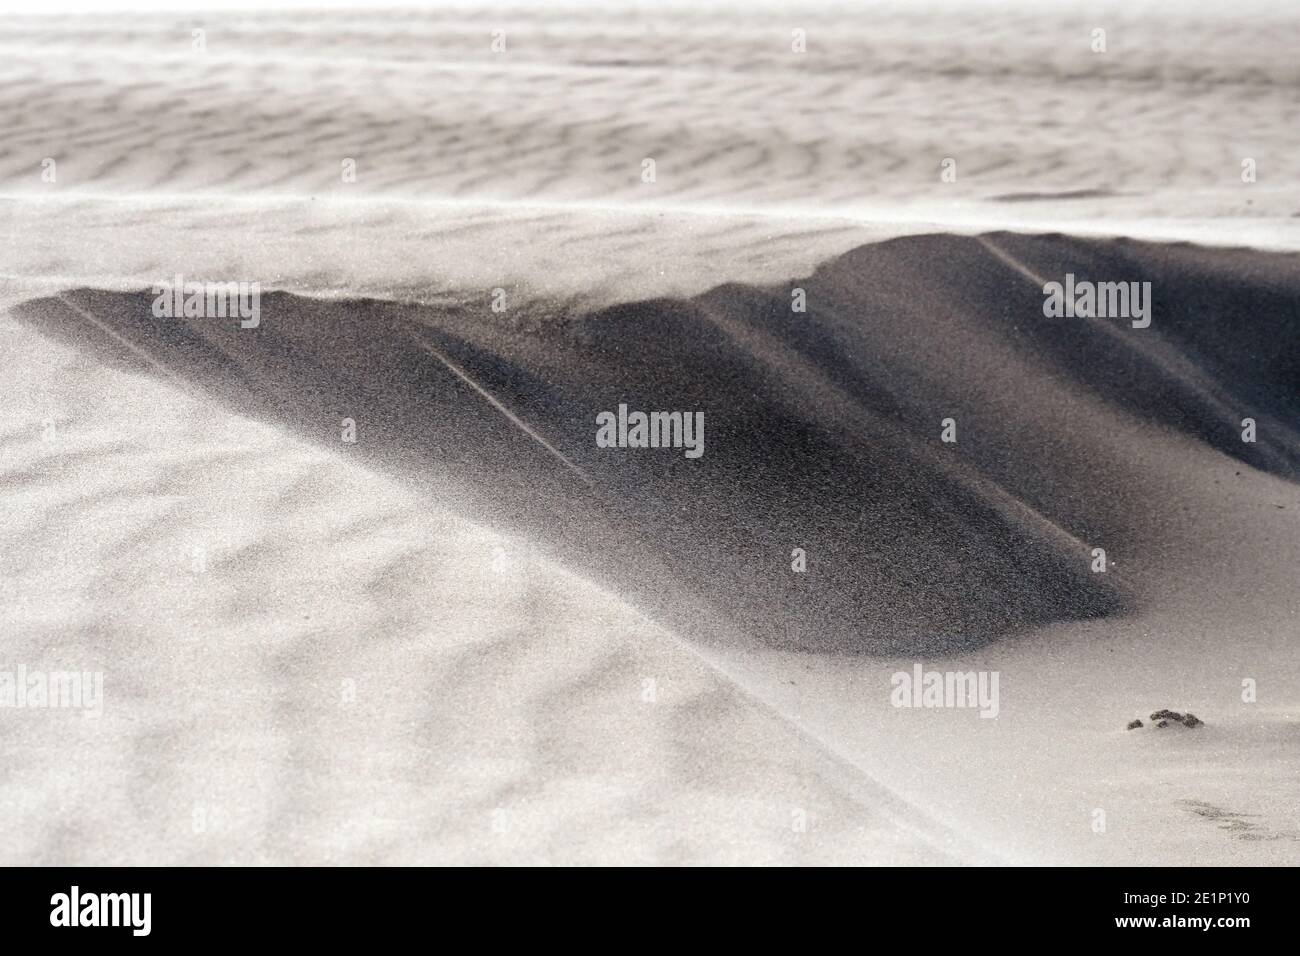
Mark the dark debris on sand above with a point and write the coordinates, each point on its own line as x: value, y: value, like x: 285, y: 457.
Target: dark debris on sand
x: 1163, y: 718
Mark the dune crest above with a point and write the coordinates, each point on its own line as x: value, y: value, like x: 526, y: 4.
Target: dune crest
x: 824, y: 426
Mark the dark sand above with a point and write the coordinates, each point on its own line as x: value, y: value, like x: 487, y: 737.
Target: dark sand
x: 822, y: 429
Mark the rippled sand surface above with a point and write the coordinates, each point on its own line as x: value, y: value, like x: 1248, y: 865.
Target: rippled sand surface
x: 524, y: 167
x: 442, y: 643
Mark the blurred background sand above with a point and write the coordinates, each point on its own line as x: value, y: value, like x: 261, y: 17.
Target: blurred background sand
x: 523, y: 168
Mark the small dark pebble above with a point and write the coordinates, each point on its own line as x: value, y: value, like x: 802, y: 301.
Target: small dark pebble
x: 1163, y: 718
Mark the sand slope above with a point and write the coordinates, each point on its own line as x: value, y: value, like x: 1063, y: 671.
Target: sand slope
x: 303, y: 663
x: 434, y: 645
x: 822, y: 428
x: 822, y: 433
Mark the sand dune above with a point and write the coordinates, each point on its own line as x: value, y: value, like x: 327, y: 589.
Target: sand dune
x: 822, y: 432
x: 822, y: 428
x: 473, y: 635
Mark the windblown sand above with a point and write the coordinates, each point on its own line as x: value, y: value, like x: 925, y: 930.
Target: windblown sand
x: 444, y: 644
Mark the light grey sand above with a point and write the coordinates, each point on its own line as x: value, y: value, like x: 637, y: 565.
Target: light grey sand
x: 310, y: 658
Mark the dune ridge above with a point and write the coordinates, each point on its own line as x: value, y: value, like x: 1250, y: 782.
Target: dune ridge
x: 475, y: 636
x: 824, y: 424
